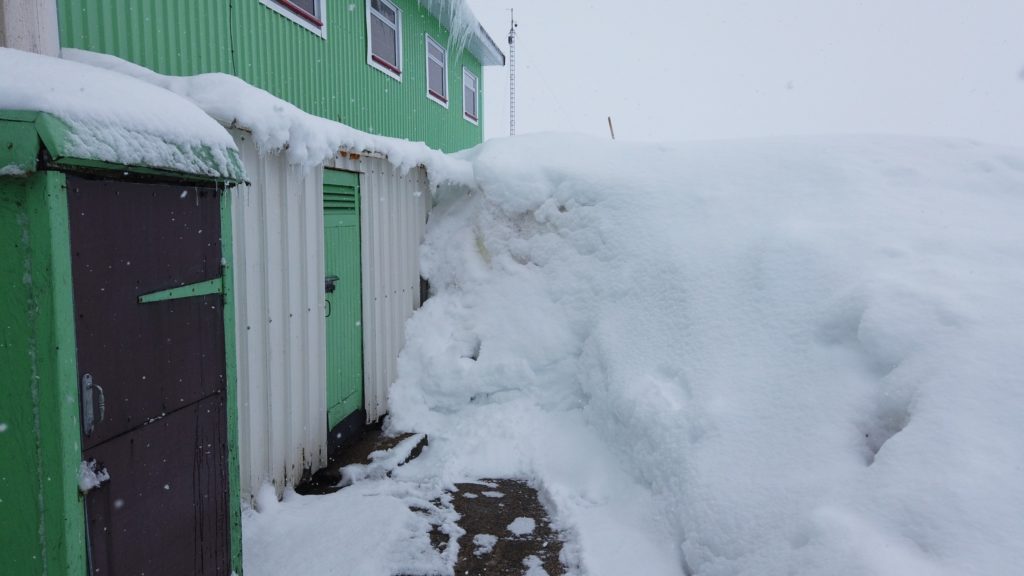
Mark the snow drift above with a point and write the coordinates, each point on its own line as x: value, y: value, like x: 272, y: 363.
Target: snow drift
x: 794, y: 356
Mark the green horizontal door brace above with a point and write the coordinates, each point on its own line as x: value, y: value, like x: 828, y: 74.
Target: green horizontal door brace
x: 205, y: 288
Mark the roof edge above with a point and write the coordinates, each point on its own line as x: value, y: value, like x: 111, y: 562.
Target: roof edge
x: 486, y: 49
x: 458, y: 19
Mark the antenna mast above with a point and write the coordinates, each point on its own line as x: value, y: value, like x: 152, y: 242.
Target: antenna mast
x: 512, y: 75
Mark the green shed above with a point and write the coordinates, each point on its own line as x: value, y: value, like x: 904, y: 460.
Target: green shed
x: 117, y: 425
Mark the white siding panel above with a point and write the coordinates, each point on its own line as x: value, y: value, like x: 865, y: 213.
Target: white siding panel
x: 279, y: 271
x: 30, y: 25
x: 278, y: 222
x: 393, y: 218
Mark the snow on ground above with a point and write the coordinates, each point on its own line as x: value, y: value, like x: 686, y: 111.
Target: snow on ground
x: 116, y: 118
x: 382, y: 462
x: 365, y: 530
x: 522, y: 526
x: 484, y: 544
x: 791, y: 356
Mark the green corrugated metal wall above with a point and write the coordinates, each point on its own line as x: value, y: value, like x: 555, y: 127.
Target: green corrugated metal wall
x: 327, y: 77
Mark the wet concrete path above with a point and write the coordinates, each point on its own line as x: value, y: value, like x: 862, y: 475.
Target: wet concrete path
x: 507, y: 530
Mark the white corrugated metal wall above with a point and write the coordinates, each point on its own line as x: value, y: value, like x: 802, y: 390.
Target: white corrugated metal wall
x: 278, y: 252
x: 393, y: 217
x: 279, y: 284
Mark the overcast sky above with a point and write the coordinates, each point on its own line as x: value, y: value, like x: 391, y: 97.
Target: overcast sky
x: 698, y: 69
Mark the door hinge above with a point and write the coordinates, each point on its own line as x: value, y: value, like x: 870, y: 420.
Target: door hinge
x: 205, y: 288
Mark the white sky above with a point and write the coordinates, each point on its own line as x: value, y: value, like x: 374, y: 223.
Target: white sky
x: 697, y: 69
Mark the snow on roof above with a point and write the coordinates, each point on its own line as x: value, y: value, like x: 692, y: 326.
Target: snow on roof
x: 277, y: 125
x: 465, y: 30
x: 115, y: 118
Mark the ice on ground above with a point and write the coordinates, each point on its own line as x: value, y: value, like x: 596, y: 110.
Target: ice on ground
x: 484, y: 543
x: 116, y: 118
x: 522, y: 526
x: 787, y: 356
x: 493, y: 494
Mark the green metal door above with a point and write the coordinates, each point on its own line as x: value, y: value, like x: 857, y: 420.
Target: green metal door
x: 344, y: 302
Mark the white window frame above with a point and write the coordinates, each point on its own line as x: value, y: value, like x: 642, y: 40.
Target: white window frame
x: 443, y: 100
x: 370, y: 14
x: 476, y: 94
x: 280, y: 8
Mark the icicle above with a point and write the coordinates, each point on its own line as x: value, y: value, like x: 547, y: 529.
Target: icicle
x: 458, y: 17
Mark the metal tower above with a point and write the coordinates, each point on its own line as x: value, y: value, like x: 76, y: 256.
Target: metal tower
x: 512, y: 75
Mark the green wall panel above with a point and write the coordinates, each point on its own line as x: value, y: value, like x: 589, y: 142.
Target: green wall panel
x: 328, y: 76
x: 170, y: 36
x: 19, y: 476
x: 41, y: 515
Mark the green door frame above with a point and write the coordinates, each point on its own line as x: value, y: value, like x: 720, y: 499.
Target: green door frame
x: 41, y: 514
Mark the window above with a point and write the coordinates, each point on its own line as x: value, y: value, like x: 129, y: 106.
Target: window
x: 384, y: 24
x: 307, y: 13
x: 470, y: 96
x: 437, y: 72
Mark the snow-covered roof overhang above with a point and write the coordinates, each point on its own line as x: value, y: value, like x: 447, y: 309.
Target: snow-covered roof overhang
x: 86, y: 113
x: 278, y: 126
x: 466, y: 31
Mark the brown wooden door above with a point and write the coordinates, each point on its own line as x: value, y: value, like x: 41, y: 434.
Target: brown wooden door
x: 158, y: 409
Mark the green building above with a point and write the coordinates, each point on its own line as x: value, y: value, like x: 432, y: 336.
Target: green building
x: 150, y: 384
x: 389, y: 67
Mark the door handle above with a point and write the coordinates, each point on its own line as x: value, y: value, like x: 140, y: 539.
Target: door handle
x: 89, y: 388
x: 331, y: 284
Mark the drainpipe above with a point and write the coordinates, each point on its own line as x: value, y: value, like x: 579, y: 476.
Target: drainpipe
x: 30, y: 25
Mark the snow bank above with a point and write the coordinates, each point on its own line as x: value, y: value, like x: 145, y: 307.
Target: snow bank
x: 797, y: 356
x: 278, y: 126
x: 115, y: 118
